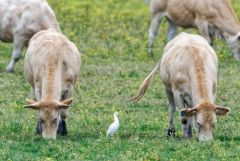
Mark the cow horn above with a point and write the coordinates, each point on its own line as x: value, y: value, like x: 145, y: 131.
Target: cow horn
x: 65, y: 103
x: 32, y: 104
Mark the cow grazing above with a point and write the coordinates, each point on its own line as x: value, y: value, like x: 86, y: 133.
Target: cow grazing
x: 209, y: 17
x: 52, y: 65
x: 20, y: 20
x: 189, y: 72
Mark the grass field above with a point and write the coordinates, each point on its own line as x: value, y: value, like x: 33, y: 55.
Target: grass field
x: 112, y: 35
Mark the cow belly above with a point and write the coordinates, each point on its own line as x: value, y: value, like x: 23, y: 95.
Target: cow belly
x: 181, y: 16
x: 186, y: 21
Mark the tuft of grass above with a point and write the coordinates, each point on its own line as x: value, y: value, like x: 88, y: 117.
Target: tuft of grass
x: 112, y: 36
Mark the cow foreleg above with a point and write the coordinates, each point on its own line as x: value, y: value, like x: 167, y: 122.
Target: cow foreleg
x: 187, y: 127
x: 186, y: 122
x: 153, y: 30
x: 39, y: 126
x: 37, y: 97
x: 18, y: 44
x: 172, y: 109
x: 203, y: 27
x: 62, y: 127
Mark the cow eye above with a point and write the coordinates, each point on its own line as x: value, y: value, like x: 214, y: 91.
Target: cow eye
x: 41, y: 121
x: 199, y: 125
x: 54, y: 121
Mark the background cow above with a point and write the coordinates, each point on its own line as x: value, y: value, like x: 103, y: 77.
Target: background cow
x: 189, y: 72
x: 20, y: 20
x: 52, y: 65
x: 209, y: 17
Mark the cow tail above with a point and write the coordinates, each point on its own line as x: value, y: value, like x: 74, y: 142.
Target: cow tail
x: 144, y: 86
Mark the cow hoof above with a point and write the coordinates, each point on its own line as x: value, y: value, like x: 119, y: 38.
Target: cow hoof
x: 9, y: 69
x: 62, y: 128
x: 185, y: 137
x: 189, y: 133
x: 171, y: 132
x: 150, y: 54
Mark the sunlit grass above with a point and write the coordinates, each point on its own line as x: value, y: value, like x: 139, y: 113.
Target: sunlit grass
x: 112, y: 35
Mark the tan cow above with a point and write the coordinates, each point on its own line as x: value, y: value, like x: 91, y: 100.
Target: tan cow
x: 208, y: 16
x: 189, y: 72
x: 20, y: 20
x: 52, y: 65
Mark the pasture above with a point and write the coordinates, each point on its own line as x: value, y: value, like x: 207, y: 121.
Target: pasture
x: 112, y: 35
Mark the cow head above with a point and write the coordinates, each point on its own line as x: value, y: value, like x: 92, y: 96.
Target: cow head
x: 234, y: 44
x: 49, y: 115
x: 205, y: 118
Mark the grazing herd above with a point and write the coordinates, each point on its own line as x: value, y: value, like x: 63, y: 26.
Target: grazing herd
x: 211, y: 18
x: 188, y: 66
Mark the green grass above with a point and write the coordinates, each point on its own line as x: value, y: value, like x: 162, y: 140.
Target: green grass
x: 112, y: 35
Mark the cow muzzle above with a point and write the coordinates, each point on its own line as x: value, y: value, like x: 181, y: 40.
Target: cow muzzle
x: 51, y: 135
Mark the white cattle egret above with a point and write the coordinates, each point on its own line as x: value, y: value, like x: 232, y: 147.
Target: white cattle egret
x: 114, y: 126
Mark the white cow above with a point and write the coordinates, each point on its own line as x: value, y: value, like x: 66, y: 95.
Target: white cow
x: 20, y: 20
x: 189, y: 72
x: 52, y: 65
x: 208, y: 16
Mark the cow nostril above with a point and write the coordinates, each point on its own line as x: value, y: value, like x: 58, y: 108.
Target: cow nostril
x: 49, y: 137
x: 184, y: 121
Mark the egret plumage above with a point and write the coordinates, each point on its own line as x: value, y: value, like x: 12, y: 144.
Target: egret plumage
x: 114, y: 126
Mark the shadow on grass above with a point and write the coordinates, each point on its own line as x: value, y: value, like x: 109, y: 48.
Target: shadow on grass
x: 151, y: 136
x: 80, y: 136
x: 228, y: 138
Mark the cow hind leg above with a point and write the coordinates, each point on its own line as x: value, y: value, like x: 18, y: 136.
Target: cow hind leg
x: 153, y: 30
x: 171, y: 30
x: 172, y: 109
x: 18, y: 45
x: 212, y: 34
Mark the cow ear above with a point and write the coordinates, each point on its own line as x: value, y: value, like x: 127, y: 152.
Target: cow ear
x: 65, y: 103
x: 32, y: 104
x: 30, y: 101
x: 238, y: 38
x: 188, y: 112
x: 221, y: 111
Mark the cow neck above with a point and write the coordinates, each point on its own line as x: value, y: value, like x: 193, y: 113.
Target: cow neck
x: 228, y: 22
x: 200, y: 86
x: 51, y: 88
